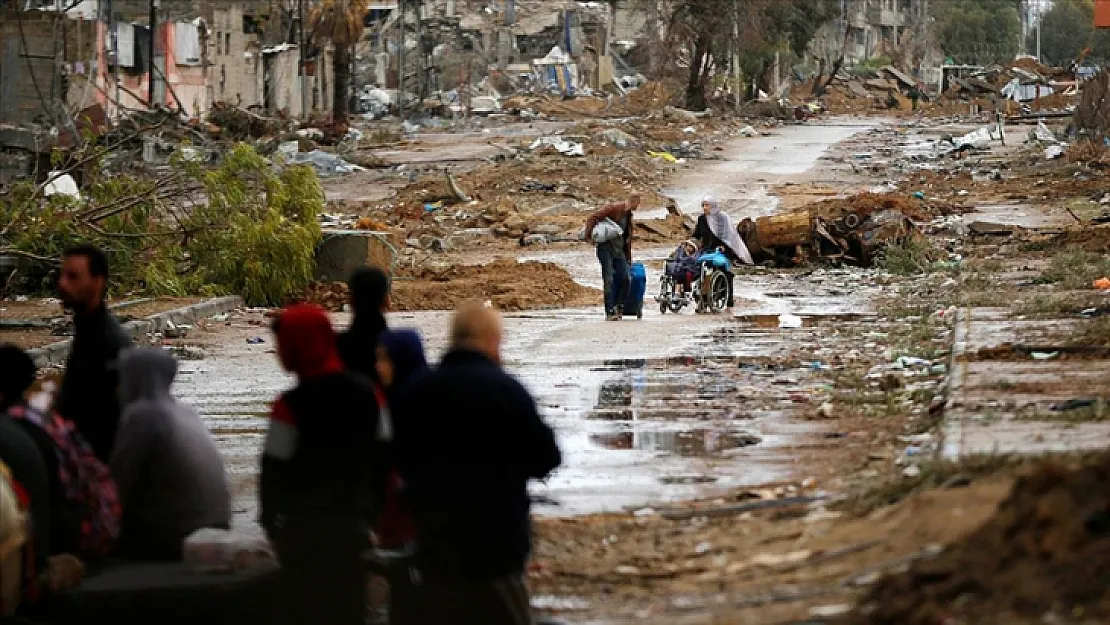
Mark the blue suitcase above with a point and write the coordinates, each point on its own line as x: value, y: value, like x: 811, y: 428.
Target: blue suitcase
x: 637, y: 288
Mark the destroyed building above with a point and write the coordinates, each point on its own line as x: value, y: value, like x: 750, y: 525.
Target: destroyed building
x: 868, y: 29
x: 201, y: 51
x: 451, y: 43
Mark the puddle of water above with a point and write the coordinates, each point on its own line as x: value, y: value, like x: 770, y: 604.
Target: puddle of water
x: 808, y: 321
x: 689, y: 443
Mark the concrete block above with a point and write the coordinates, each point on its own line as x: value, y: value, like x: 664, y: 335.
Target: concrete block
x: 343, y: 251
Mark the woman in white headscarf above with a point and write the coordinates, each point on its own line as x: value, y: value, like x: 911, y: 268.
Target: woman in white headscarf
x: 715, y: 231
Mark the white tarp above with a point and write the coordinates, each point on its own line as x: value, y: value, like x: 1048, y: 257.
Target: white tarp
x: 561, y: 145
x: 186, y: 43
x: 980, y: 139
x: 61, y: 184
x: 1026, y: 93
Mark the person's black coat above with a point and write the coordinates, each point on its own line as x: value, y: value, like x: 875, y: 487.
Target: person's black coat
x: 468, y: 439
x: 88, y: 396
x: 358, y: 346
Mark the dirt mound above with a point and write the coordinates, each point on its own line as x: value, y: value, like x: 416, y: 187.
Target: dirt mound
x: 866, y: 203
x: 1094, y: 239
x: 510, y: 285
x: 1047, y: 548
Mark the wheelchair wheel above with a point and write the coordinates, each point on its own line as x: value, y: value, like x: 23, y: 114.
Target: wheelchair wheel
x: 717, y: 298
x: 666, y: 294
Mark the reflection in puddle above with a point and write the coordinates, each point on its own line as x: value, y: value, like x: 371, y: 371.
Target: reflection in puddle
x: 688, y: 443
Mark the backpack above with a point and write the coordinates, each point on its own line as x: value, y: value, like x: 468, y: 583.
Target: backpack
x: 85, y: 482
x: 13, y: 539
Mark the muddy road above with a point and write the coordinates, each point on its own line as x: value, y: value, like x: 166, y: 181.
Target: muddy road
x: 646, y: 411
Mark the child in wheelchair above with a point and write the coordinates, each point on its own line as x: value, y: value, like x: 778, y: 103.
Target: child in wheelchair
x: 683, y: 265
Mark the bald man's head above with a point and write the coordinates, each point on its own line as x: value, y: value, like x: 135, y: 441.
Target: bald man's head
x: 477, y: 327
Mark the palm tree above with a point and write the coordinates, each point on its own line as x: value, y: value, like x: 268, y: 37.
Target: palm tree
x: 341, y: 22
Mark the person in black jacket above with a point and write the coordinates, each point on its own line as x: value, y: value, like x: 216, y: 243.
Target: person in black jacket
x: 468, y: 439
x: 369, y: 292
x: 88, y: 393
x: 323, y: 475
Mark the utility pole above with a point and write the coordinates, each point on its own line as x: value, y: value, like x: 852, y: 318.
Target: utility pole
x: 401, y: 60
x: 115, y: 51
x: 301, y: 49
x: 150, y: 51
x: 1040, y: 17
x: 739, y: 80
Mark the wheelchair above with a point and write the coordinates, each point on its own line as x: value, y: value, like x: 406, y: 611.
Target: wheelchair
x: 709, y: 292
x: 671, y: 296
x: 711, y: 289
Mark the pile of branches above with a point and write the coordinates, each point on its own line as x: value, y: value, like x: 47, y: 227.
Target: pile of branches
x: 241, y: 227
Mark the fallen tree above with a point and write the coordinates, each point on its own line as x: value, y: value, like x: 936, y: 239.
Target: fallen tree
x: 241, y: 227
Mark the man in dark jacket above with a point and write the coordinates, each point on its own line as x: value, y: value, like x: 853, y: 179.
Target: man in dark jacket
x: 88, y: 393
x: 468, y: 440
x: 369, y: 292
x: 615, y: 255
x: 323, y: 475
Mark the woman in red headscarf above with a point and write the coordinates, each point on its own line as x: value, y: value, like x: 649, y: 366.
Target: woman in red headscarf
x: 323, y: 474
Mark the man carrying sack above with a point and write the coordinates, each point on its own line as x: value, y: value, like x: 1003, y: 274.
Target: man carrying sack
x: 610, y: 229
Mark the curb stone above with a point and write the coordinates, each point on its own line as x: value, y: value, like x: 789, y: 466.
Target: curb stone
x: 56, y: 353
x: 951, y: 429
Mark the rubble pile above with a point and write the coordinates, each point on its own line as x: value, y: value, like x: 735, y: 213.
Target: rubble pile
x: 851, y: 230
x: 1025, y: 85
x: 1042, y: 558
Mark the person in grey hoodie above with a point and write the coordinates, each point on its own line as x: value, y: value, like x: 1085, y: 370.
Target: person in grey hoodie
x: 170, y: 476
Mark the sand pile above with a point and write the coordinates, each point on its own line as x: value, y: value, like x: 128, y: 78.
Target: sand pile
x: 1047, y: 549
x: 510, y: 285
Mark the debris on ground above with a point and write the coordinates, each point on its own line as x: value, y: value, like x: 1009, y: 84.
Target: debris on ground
x: 1041, y: 558
x: 851, y: 230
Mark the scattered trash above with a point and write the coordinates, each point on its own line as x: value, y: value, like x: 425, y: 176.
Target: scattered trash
x: 667, y: 156
x: 789, y: 322
x: 433, y: 206
x: 1042, y: 133
x: 912, y: 471
x: 689, y: 130
x: 773, y: 560
x: 829, y: 611
x: 311, y: 133
x: 325, y: 163
x: 1045, y: 355
x: 535, y: 185
x: 618, y: 138
x: 1053, y: 152
x: 905, y: 362
x: 920, y: 195
x: 1075, y: 404
x: 256, y: 340
x: 749, y: 132
x: 289, y: 150
x: 1101, y: 284
x: 562, y: 146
